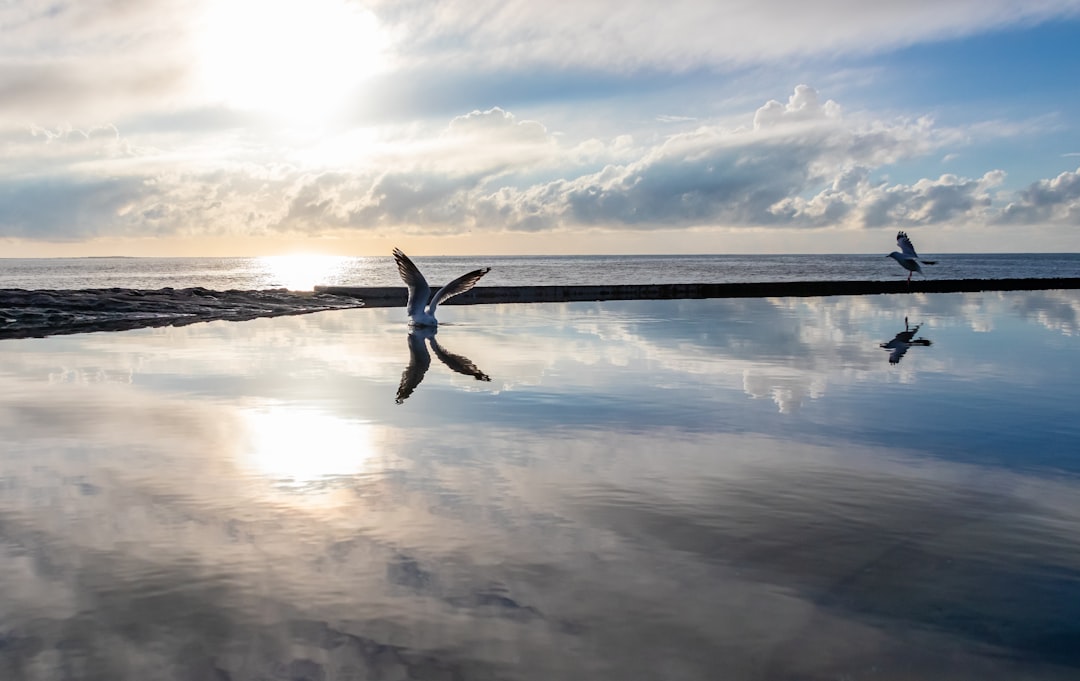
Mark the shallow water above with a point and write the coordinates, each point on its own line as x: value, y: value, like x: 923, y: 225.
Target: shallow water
x: 700, y: 489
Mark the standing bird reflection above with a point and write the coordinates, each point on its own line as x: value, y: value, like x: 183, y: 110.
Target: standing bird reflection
x: 907, y: 257
x: 420, y: 311
x: 899, y: 345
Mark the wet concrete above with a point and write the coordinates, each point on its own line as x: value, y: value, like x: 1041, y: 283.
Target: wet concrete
x: 386, y: 296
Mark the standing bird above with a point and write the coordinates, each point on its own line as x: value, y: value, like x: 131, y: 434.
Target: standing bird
x: 422, y: 313
x: 908, y: 258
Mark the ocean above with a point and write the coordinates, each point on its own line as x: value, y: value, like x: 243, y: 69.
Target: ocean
x: 302, y: 273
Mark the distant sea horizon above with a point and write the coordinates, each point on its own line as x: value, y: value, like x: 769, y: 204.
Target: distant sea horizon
x: 304, y: 272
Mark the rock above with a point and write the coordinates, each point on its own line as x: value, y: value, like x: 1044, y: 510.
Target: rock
x: 36, y: 314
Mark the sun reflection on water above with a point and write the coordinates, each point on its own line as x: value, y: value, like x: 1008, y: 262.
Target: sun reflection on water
x: 298, y: 446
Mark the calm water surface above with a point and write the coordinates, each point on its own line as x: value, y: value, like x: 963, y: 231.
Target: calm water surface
x: 707, y: 489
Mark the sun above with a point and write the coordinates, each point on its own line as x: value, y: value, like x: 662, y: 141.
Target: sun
x: 298, y: 60
x: 302, y: 272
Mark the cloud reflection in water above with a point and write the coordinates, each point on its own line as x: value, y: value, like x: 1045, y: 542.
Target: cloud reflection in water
x: 243, y: 501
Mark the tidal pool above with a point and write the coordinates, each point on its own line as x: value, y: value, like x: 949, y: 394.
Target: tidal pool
x: 881, y: 487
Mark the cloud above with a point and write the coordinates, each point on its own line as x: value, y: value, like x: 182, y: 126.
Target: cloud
x: 805, y: 163
x: 714, y: 175
x: 119, y: 60
x: 803, y: 105
x: 706, y: 176
x: 242, y: 200
x: 112, y: 60
x: 59, y: 210
x: 64, y: 61
x: 853, y: 198
x: 1046, y: 201
x: 497, y: 123
x: 37, y: 151
x: 631, y: 34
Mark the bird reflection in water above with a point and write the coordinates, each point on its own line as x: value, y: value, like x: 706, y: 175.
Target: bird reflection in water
x: 904, y: 340
x: 420, y: 360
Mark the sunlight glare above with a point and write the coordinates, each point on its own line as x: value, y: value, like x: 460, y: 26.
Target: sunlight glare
x: 299, y: 446
x: 303, y: 272
x: 298, y: 60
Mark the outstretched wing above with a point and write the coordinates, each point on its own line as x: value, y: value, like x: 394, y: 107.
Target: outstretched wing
x: 906, y: 247
x: 458, y: 363
x: 459, y: 285
x: 898, y: 353
x: 419, y: 291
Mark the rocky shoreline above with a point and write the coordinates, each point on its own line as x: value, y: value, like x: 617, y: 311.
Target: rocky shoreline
x: 40, y: 313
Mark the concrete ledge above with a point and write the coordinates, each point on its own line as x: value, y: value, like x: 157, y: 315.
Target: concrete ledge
x: 390, y: 296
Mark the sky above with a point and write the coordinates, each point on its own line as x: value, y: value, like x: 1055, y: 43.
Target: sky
x: 348, y: 127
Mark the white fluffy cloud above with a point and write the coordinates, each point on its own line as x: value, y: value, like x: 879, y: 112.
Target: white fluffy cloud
x: 747, y: 176
x: 805, y: 163
x: 496, y: 123
x: 803, y: 105
x: 1047, y: 201
x: 854, y: 199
